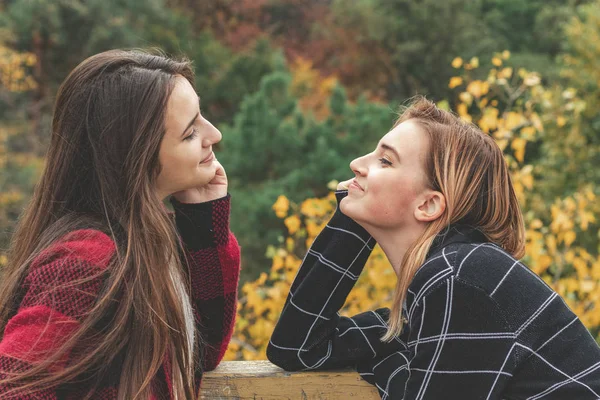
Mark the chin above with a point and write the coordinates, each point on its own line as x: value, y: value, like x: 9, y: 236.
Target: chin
x: 343, y: 205
x: 349, y: 210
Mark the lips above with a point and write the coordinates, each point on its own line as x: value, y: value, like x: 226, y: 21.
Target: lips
x: 355, y: 185
x: 208, y: 159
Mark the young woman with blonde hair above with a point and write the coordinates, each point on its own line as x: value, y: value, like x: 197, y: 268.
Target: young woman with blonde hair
x: 468, y: 320
x: 106, y: 294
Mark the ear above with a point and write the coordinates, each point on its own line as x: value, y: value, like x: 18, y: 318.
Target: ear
x: 432, y: 207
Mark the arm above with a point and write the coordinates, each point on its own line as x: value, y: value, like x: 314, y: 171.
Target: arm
x: 59, y: 291
x: 459, y: 347
x: 310, y: 334
x: 213, y: 256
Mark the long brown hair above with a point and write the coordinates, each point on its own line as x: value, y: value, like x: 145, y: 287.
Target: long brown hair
x: 108, y: 123
x: 469, y: 169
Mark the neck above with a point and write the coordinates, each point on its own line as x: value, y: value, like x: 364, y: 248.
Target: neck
x: 395, y: 243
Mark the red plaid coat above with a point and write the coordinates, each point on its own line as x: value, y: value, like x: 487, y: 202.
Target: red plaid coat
x: 48, y: 311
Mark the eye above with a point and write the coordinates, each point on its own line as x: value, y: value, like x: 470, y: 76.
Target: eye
x: 385, y: 161
x: 191, y: 135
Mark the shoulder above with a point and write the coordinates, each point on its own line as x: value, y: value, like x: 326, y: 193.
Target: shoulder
x: 68, y: 275
x: 493, y: 270
x: 491, y: 275
x: 482, y: 265
x: 75, y: 255
x: 85, y: 244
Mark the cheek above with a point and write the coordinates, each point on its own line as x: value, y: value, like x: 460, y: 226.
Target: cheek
x: 181, y: 161
x: 177, y: 167
x: 390, y: 201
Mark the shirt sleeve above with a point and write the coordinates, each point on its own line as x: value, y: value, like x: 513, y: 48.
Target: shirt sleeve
x: 213, y: 255
x: 310, y: 334
x: 59, y: 291
x: 455, y: 350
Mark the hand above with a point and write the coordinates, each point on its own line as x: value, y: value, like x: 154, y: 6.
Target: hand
x: 344, y: 185
x: 215, y: 189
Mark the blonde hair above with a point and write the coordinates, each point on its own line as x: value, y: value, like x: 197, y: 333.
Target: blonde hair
x: 469, y: 169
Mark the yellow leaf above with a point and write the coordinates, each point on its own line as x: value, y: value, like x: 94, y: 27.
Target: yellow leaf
x: 496, y: 61
x: 489, y: 121
x: 543, y: 262
x: 457, y: 62
x: 587, y: 286
x: 478, y: 88
x: 585, y: 219
x: 505, y: 73
x: 292, y: 223
x: 537, y: 122
x: 289, y: 244
x: 536, y: 224
x: 505, y: 54
x: 532, y: 79
x: 332, y: 185
x: 581, y: 267
x: 502, y: 143
x: 281, y: 206
x: 513, y: 120
x: 528, y: 133
x: 518, y: 145
x: 527, y: 181
x: 569, y: 238
x: 463, y: 112
x: 455, y: 81
x: 466, y: 98
x: 277, y: 263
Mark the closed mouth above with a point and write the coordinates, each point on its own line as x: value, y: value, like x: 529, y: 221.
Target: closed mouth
x: 210, y: 157
x: 356, y: 185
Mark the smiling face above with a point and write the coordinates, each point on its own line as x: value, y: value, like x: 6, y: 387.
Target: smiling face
x: 390, y: 183
x: 185, y: 156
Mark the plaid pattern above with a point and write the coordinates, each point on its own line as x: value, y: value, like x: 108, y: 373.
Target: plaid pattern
x: 64, y: 281
x: 480, y: 324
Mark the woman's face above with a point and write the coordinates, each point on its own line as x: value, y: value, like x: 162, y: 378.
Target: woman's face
x: 186, y: 155
x: 389, y: 182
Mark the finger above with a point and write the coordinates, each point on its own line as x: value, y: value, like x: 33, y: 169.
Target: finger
x: 220, y: 171
x: 344, y: 184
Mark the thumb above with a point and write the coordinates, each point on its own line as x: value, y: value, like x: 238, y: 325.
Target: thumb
x: 220, y: 171
x: 344, y: 184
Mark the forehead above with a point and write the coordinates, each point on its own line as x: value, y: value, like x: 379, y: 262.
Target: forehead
x: 408, y: 138
x: 183, y: 96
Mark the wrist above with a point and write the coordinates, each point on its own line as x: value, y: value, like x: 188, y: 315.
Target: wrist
x: 204, y: 224
x: 195, y: 196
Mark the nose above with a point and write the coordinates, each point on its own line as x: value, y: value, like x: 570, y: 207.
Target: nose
x: 359, y: 166
x: 214, y: 136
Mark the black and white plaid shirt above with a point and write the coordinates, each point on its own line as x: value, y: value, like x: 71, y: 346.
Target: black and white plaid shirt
x: 480, y: 325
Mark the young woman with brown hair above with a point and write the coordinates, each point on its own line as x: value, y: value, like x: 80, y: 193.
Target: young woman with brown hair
x: 106, y: 294
x: 468, y: 320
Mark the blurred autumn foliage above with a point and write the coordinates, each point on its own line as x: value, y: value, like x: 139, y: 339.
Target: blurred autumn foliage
x: 513, y: 106
x: 300, y: 88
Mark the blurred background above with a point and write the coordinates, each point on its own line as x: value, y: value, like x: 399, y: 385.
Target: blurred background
x: 301, y: 87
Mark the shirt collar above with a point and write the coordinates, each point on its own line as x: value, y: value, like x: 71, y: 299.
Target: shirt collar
x: 456, y: 234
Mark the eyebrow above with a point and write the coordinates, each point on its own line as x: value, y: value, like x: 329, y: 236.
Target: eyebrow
x: 193, y: 120
x: 390, y: 148
x: 190, y: 124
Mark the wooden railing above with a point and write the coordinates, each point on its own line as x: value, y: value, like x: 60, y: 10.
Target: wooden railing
x: 261, y: 380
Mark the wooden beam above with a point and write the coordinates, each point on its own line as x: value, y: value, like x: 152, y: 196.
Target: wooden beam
x: 261, y: 380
